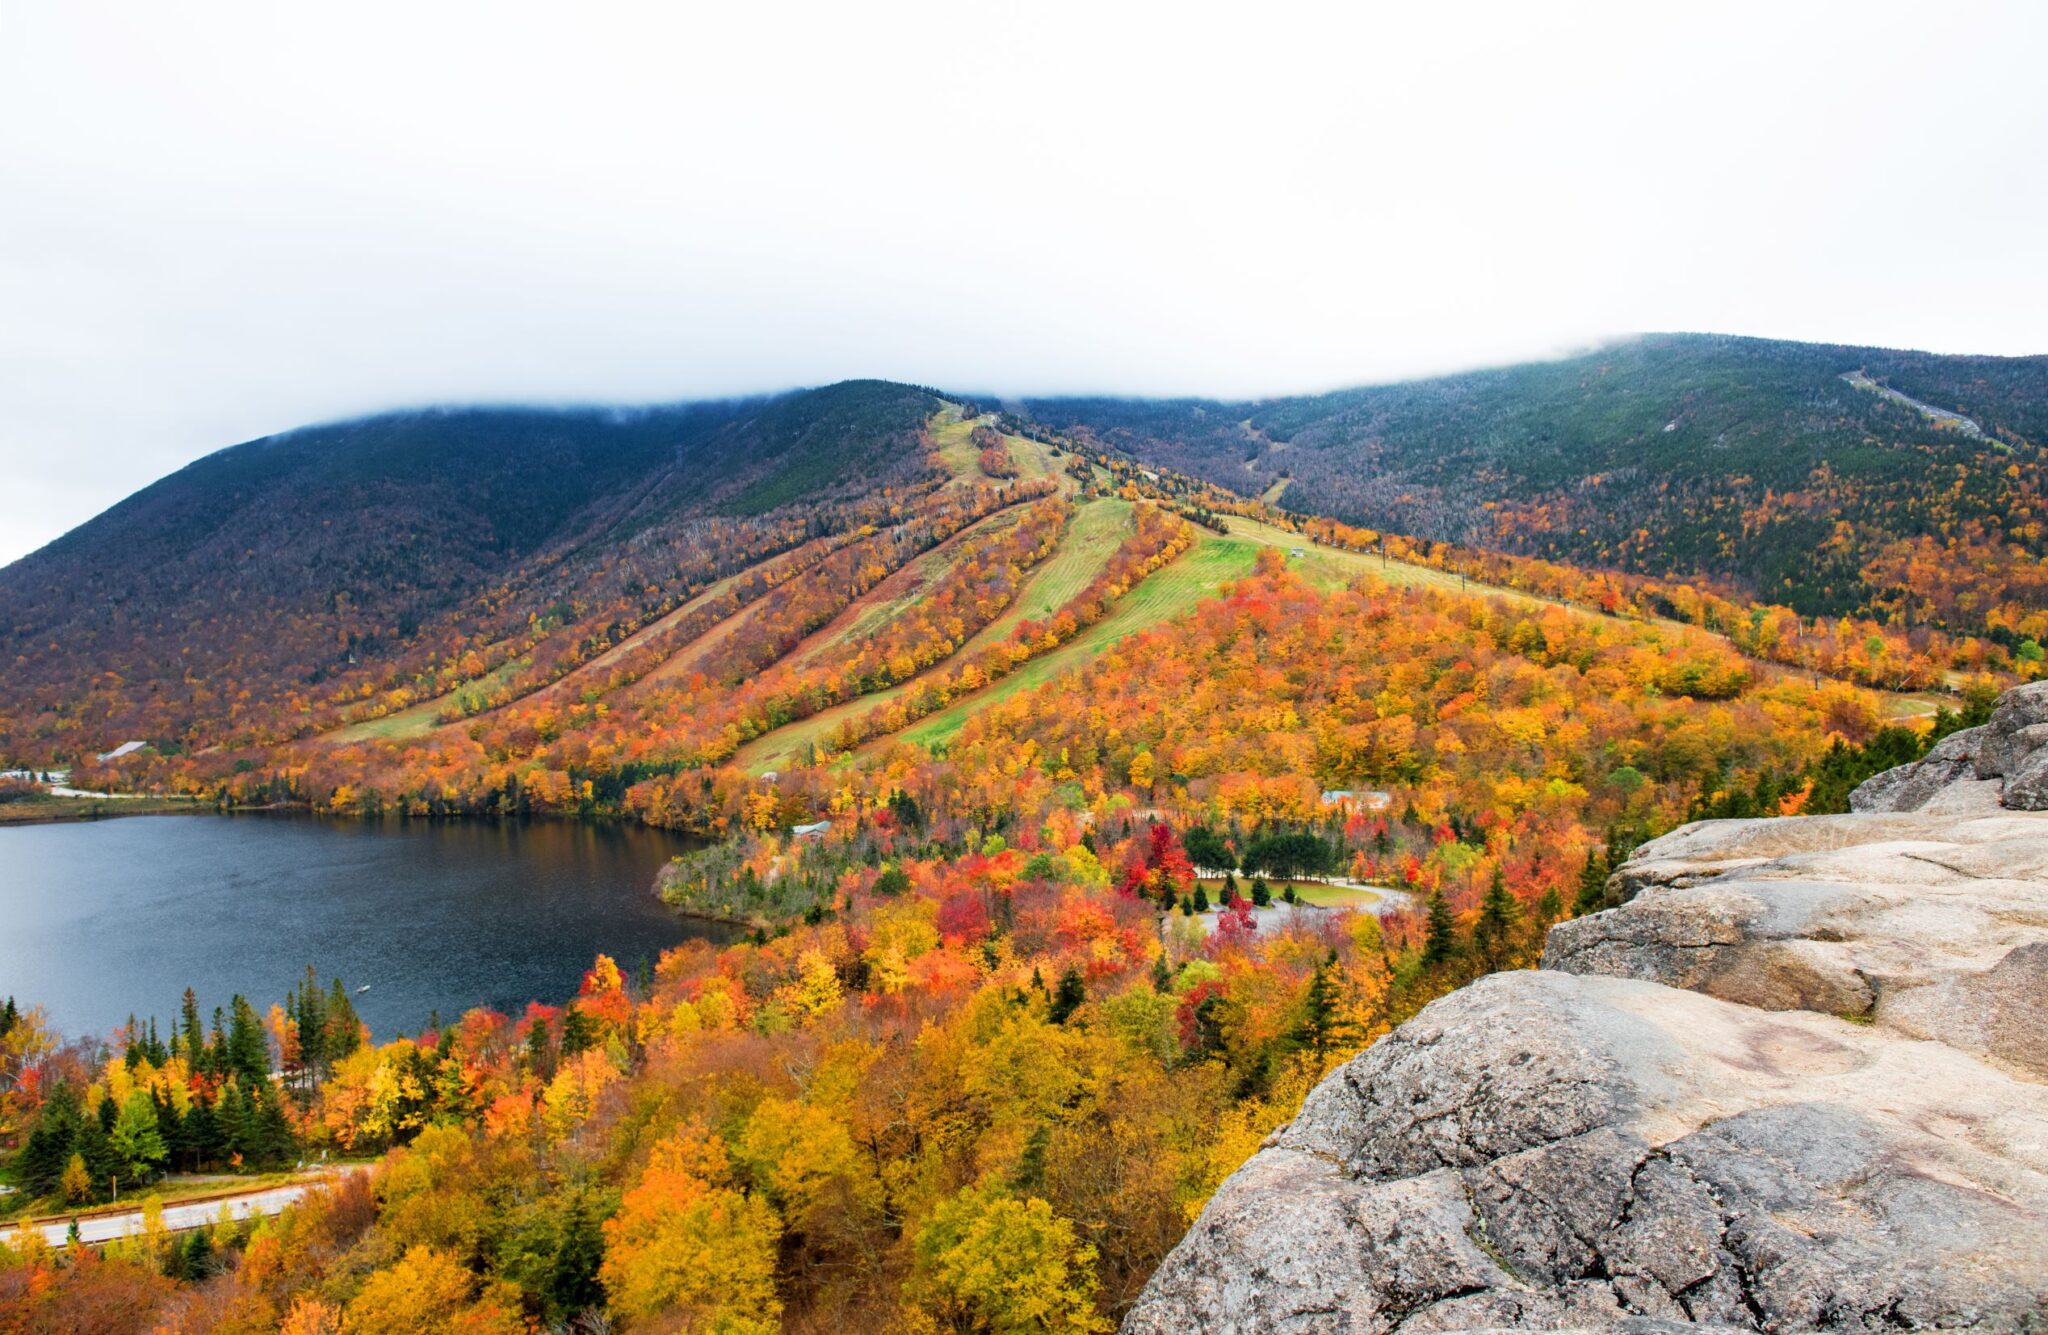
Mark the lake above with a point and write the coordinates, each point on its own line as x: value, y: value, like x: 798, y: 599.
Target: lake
x: 101, y: 918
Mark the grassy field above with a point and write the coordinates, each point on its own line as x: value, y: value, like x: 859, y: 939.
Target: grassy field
x: 1333, y: 896
x: 1097, y: 530
x: 1165, y: 594
x: 420, y: 719
x: 871, y: 613
x: 1308, y: 892
x: 1091, y: 538
x: 953, y: 436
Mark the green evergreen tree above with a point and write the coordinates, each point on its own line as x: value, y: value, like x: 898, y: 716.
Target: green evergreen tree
x: 39, y: 1164
x: 237, y: 1119
x: 217, y: 1045
x: 1201, y: 899
x: 272, y: 1140
x: 579, y: 1031
x: 1500, y: 924
x: 1067, y: 997
x: 1207, y: 849
x: 572, y: 1283
x: 1441, y: 943
x: 203, y: 1140
x: 1262, y: 893
x: 344, y: 1027
x: 102, y: 1164
x: 195, y: 1038
x: 1318, y: 1026
x: 1592, y: 894
x: 248, y: 1051
x: 197, y: 1260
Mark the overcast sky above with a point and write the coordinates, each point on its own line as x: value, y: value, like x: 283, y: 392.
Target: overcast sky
x: 219, y: 221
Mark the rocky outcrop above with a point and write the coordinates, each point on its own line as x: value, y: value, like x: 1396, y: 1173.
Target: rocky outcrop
x: 2004, y: 763
x: 1798, y: 1082
x: 1933, y: 927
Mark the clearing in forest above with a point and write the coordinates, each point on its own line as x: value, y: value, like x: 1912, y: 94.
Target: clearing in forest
x: 1092, y: 536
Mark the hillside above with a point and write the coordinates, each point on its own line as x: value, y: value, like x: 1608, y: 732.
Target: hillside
x: 1833, y: 479
x: 735, y: 589
x: 321, y: 567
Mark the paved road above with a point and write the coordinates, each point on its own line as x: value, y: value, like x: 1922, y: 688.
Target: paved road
x: 267, y: 1201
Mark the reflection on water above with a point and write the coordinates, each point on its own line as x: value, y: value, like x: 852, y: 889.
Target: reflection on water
x: 107, y: 917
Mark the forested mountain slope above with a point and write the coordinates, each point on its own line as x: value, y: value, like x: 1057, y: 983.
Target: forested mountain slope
x: 1782, y: 469
x: 329, y: 563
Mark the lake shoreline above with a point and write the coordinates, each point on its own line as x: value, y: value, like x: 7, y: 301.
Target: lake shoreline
x: 68, y: 810
x: 108, y: 919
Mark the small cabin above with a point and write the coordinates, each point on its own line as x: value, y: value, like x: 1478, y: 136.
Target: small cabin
x: 815, y: 830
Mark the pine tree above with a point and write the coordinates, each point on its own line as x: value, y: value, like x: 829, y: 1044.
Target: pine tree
x: 197, y: 1261
x: 1500, y: 922
x: 39, y: 1167
x: 1067, y: 997
x: 1549, y: 909
x: 97, y: 1151
x: 1442, y: 942
x: 248, y: 1051
x: 217, y: 1045
x: 272, y: 1140
x: 1262, y: 894
x: 1201, y: 900
x: 540, y: 1057
x: 579, y: 1031
x: 201, y: 1134
x: 1319, y: 1024
x: 308, y: 1010
x: 572, y: 1281
x: 344, y: 1028
x: 1592, y: 885
x: 195, y: 1039
x: 237, y: 1119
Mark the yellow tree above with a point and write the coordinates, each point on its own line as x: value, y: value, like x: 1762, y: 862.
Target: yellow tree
x: 427, y: 1290
x: 687, y: 1244
x: 989, y: 1262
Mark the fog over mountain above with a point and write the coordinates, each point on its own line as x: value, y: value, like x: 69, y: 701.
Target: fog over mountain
x: 228, y: 223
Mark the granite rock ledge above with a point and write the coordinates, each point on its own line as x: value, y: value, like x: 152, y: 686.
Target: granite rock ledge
x: 1799, y: 1081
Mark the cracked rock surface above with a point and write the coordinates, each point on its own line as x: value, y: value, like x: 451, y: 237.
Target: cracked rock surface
x: 1799, y: 1082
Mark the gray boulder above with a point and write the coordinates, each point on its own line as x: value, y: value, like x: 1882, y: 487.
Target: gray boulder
x: 1799, y: 1081
x: 2003, y: 763
x: 1542, y: 1151
x: 1937, y: 939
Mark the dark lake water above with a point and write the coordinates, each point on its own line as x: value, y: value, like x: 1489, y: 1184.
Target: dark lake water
x: 102, y: 918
